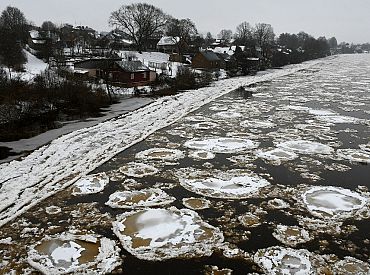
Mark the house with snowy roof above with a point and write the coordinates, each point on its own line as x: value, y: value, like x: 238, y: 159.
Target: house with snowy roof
x: 129, y: 73
x: 168, y: 44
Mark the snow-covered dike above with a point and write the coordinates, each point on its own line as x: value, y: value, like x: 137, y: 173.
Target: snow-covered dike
x: 59, y: 164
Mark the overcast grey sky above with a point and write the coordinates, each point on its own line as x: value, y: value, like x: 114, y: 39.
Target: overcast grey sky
x: 348, y: 20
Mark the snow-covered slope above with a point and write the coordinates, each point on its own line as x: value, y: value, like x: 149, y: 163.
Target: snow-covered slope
x: 34, y: 65
x: 55, y: 166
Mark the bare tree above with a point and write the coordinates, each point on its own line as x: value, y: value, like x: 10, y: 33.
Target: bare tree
x: 264, y: 35
x: 184, y: 29
x: 244, y: 34
x: 225, y: 35
x: 139, y: 21
x: 209, y: 39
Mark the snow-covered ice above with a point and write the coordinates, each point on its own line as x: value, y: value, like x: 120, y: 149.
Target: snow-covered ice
x: 67, y: 253
x: 138, y: 170
x: 278, y: 260
x: 160, y: 234
x: 224, y: 185
x: 306, y: 147
x: 140, y: 198
x: 254, y: 123
x: 333, y: 202
x: 354, y: 155
x: 90, y: 184
x: 196, y: 203
x: 160, y: 154
x: 277, y: 155
x: 291, y: 235
x: 222, y: 145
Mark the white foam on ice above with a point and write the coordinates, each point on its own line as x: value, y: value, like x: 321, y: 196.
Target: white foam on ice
x: 222, y: 145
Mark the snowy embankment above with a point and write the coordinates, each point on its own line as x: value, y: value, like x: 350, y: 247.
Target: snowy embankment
x: 33, y: 67
x: 59, y: 164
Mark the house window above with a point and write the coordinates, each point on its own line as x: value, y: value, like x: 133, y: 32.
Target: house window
x: 144, y: 75
x: 132, y: 76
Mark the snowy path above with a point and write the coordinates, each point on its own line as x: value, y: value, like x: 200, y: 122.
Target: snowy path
x: 59, y: 164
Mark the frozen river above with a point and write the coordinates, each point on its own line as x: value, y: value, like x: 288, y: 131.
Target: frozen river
x: 276, y: 183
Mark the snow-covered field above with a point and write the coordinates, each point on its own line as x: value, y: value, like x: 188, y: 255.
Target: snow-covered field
x: 53, y: 167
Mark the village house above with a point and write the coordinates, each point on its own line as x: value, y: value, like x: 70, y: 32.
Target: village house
x: 128, y: 73
x: 36, y: 42
x: 207, y: 60
x: 168, y: 44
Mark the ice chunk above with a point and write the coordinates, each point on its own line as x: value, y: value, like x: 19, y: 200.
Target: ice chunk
x: 277, y: 155
x: 52, y: 210
x: 160, y: 154
x: 249, y: 220
x: 306, y: 147
x: 90, y: 184
x: 222, y: 145
x: 291, y: 235
x: 338, y: 119
x: 333, y: 202
x: 351, y: 266
x: 142, y: 198
x: 74, y: 254
x: 160, y: 234
x: 236, y: 187
x: 196, y: 203
x: 254, y: 123
x: 138, y: 170
x: 354, y: 155
x: 201, y: 154
x: 279, y: 260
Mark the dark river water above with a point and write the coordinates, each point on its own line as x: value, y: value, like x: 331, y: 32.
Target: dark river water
x: 307, y: 135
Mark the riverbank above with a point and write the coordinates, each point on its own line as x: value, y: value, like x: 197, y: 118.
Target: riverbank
x: 16, y: 149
